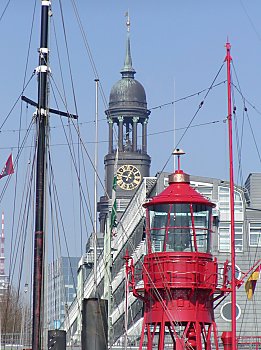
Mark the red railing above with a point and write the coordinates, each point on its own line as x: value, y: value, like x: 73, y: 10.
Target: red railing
x: 249, y: 342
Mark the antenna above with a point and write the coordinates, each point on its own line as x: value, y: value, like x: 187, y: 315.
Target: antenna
x: 174, y: 120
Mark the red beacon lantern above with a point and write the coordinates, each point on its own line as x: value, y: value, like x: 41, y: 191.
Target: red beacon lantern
x: 179, y: 271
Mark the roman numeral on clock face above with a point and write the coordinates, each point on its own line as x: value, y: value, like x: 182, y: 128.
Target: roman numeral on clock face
x: 128, y: 177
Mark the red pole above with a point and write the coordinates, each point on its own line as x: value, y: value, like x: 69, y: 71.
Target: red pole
x: 228, y: 59
x: 178, y: 162
x: 227, y: 340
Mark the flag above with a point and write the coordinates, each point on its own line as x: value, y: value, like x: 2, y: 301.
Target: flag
x: 8, y: 168
x: 113, y: 199
x: 250, y: 284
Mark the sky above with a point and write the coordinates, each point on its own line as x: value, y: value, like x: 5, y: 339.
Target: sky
x: 177, y: 47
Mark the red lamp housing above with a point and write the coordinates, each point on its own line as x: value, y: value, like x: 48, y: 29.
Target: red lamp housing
x: 179, y: 272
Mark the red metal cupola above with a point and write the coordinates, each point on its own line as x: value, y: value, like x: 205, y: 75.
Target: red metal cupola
x: 179, y: 191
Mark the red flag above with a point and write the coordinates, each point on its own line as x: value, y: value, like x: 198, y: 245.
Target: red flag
x: 8, y: 168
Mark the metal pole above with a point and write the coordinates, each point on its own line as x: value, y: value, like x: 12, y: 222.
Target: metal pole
x: 42, y: 122
x: 95, y: 189
x: 107, y: 274
x: 228, y: 59
x: 126, y: 310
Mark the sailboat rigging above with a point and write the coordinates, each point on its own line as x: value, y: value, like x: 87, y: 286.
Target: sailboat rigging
x: 42, y: 125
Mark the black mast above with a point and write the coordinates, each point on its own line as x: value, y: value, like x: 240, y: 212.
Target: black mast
x: 41, y: 122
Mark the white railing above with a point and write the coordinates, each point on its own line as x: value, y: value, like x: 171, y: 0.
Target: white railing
x: 130, y: 219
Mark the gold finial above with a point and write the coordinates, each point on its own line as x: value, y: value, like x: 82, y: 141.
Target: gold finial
x: 128, y: 20
x: 178, y: 152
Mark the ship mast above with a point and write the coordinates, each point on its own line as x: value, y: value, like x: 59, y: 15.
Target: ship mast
x: 2, y: 247
x: 41, y: 122
x: 95, y: 190
x: 228, y: 59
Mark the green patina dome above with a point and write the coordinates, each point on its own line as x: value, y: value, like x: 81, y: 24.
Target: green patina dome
x: 127, y: 92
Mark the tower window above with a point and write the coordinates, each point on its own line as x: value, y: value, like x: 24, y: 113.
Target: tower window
x: 255, y: 234
x: 225, y: 237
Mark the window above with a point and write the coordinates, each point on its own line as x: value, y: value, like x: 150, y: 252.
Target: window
x: 255, y: 234
x: 238, y: 202
x: 224, y: 237
x: 224, y: 200
x: 177, y: 227
x: 205, y: 189
x: 201, y: 233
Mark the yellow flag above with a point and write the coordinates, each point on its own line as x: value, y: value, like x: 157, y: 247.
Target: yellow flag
x: 250, y: 284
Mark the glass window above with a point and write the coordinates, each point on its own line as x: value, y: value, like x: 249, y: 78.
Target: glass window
x: 224, y: 200
x: 204, y: 189
x: 255, y: 234
x: 224, y: 237
x: 180, y: 227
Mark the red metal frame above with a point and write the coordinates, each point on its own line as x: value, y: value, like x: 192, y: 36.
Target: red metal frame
x: 179, y: 286
x: 228, y: 60
x: 245, y: 342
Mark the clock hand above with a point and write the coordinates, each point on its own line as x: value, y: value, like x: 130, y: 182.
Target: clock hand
x: 125, y: 176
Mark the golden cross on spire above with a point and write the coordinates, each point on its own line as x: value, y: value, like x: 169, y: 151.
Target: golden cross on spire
x: 128, y: 20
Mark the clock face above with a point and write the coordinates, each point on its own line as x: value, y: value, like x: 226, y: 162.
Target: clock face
x: 128, y: 177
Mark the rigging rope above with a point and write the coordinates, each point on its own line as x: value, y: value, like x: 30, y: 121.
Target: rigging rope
x: 4, y: 10
x: 186, y: 97
x: 194, y: 116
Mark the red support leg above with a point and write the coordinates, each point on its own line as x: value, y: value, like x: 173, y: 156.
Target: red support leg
x: 161, y: 336
x: 198, y: 336
x: 215, y: 334
x: 149, y: 337
x: 142, y: 334
x: 208, y: 338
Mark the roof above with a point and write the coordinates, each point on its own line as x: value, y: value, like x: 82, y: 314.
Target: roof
x: 128, y: 91
x: 179, y: 191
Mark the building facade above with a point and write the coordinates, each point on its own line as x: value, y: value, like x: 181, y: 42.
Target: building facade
x: 248, y: 251
x: 131, y: 237
x: 61, y: 291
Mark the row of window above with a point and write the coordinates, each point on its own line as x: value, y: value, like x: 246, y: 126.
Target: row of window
x: 224, y: 200
x: 224, y: 227
x: 223, y: 206
x: 224, y: 236
x: 223, y: 196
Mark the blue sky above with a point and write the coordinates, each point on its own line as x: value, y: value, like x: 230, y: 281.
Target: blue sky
x: 177, y: 49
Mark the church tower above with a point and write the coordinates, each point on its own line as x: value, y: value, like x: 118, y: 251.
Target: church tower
x: 127, y: 118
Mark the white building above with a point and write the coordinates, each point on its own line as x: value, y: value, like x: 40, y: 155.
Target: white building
x: 130, y: 236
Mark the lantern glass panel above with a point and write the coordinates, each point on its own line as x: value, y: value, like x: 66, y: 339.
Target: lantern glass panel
x: 180, y: 227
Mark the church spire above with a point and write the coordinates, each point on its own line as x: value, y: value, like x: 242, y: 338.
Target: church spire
x: 128, y: 71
